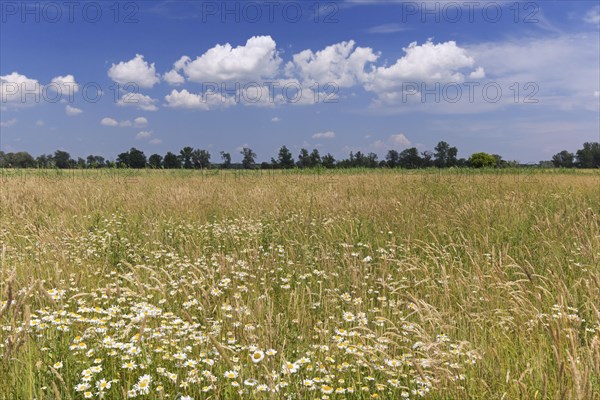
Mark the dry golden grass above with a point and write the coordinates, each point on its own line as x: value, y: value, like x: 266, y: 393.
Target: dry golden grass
x: 481, y: 286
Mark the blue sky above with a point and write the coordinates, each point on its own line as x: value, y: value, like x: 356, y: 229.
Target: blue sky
x: 390, y: 74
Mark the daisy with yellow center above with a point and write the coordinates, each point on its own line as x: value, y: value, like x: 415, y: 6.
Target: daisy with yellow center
x: 258, y: 356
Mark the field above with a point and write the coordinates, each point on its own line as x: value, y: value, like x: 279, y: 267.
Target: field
x: 347, y: 284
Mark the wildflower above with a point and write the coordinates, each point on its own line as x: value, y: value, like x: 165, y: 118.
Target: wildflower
x: 230, y: 374
x: 103, y: 385
x: 271, y: 352
x: 258, y: 356
x: 250, y: 382
x: 129, y: 365
x: 326, y: 389
x: 58, y: 365
x: 143, y: 385
x: 262, y: 388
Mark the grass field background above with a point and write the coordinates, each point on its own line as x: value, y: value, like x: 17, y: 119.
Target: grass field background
x: 347, y: 284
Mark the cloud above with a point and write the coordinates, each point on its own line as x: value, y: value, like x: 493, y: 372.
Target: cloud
x: 72, y: 111
x: 173, y: 78
x: 428, y: 62
x: 593, y: 16
x: 479, y: 73
x: 125, y: 123
x: 542, y: 61
x: 255, y: 60
x: 387, y: 28
x: 156, y: 141
x: 107, y: 121
x: 136, y: 70
x: 67, y: 84
x: 187, y: 100
x: 275, y: 119
x: 399, y: 140
x: 12, y: 85
x: 144, y: 135
x: 324, y: 135
x: 341, y: 63
x: 141, y: 101
x: 9, y: 123
x: 39, y: 123
x: 140, y: 122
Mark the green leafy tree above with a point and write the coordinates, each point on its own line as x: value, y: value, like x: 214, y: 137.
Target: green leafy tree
x: 303, y: 159
x: 315, y: 158
x: 226, y: 157
x: 482, y: 160
x: 171, y: 161
x: 392, y: 158
x: 248, y: 157
x: 201, y: 158
x: 564, y: 159
x: 328, y: 161
x: 589, y: 155
x: 155, y: 161
x: 186, y: 157
x: 285, y: 159
x: 410, y: 158
x: 137, y: 158
x: 62, y: 159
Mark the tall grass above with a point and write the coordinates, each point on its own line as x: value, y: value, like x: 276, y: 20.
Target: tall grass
x: 350, y: 284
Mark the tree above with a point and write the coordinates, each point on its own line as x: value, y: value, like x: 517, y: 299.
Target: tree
x: 371, y: 160
x: 95, y: 161
x: 482, y: 160
x: 392, y: 158
x: 186, y: 157
x: 248, y: 157
x: 444, y: 155
x: 303, y: 159
x: 328, y: 161
x: 123, y: 160
x: 589, y: 155
x: 201, y: 158
x: 410, y: 158
x: 315, y: 158
x: 155, y: 160
x: 285, y: 159
x: 500, y: 163
x: 62, y: 159
x: 171, y: 161
x: 21, y: 159
x: 564, y: 159
x: 226, y: 157
x: 137, y: 158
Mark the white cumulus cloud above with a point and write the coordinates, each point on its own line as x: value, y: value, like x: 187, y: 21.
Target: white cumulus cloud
x: 107, y: 121
x: 140, y: 122
x: 342, y: 63
x: 141, y: 101
x: 143, y: 135
x: 256, y: 59
x: 17, y: 89
x: 136, y: 70
x: 67, y: 84
x: 324, y: 135
x: 72, y: 111
x: 429, y: 62
x: 399, y: 140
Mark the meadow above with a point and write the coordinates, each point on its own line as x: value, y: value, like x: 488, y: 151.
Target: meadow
x: 455, y: 284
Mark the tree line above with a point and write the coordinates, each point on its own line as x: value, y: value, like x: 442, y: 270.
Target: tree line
x: 443, y: 156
